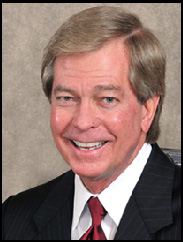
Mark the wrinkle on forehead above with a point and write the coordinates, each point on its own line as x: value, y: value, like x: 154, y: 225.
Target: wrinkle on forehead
x: 105, y: 67
x: 96, y: 63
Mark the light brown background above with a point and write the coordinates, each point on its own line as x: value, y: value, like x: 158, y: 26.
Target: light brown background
x: 29, y: 153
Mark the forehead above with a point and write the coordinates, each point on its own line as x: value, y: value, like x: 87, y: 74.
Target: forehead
x: 110, y: 62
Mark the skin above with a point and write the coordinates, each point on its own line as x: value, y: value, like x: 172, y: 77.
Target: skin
x: 92, y: 101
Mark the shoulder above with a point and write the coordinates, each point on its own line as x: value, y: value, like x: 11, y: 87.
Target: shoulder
x: 19, y: 211
x: 171, y: 161
x: 165, y: 157
x: 167, y: 165
x: 171, y: 178
x: 31, y: 199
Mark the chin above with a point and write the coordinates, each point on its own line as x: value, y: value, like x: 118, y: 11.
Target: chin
x: 89, y: 171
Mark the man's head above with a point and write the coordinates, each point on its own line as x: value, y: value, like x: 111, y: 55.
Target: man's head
x: 104, y: 76
x: 90, y: 29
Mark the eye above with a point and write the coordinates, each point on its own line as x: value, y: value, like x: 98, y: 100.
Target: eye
x: 65, y: 101
x: 109, y: 102
x: 64, y: 98
x: 109, y: 99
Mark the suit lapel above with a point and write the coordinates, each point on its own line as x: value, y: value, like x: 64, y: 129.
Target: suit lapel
x: 153, y: 193
x: 54, y: 217
x: 149, y: 208
x: 132, y: 226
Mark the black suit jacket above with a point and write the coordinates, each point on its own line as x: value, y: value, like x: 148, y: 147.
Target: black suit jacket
x: 152, y: 213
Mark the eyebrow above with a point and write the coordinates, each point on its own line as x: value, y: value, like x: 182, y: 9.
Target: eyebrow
x: 109, y: 87
x: 61, y: 88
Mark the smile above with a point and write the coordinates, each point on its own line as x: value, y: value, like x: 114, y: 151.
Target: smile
x: 88, y: 146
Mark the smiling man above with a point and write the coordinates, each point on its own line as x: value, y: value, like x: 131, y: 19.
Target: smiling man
x: 104, y: 125
x: 103, y: 73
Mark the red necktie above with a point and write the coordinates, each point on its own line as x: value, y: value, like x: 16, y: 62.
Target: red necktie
x: 95, y: 232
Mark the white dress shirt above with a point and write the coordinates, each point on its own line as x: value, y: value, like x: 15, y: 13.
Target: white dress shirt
x: 114, y: 198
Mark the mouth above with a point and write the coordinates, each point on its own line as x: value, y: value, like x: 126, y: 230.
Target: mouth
x: 88, y: 146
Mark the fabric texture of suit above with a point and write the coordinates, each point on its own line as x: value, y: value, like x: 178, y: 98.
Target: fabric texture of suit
x: 152, y: 213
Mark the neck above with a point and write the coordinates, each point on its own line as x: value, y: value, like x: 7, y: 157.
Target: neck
x: 98, y: 185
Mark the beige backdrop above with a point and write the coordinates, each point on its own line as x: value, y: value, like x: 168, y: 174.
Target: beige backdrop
x: 29, y: 153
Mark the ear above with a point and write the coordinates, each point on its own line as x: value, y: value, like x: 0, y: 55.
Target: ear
x: 149, y: 109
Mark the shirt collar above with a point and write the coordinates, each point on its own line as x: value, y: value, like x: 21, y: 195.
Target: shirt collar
x: 81, y: 196
x: 125, y: 183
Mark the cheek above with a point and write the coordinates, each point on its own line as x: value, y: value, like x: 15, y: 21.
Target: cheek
x: 56, y: 121
x: 118, y: 121
x: 124, y: 122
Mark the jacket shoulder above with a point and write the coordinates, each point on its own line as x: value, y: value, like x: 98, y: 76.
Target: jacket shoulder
x: 30, y: 194
x: 173, y: 231
x: 21, y: 207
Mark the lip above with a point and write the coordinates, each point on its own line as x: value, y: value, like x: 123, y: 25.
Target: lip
x: 94, y: 153
x: 100, y: 140
x: 87, y: 137
x: 88, y: 145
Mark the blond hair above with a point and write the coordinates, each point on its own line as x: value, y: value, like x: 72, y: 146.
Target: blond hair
x: 90, y: 29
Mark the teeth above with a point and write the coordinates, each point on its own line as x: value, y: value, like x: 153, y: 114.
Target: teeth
x: 88, y: 146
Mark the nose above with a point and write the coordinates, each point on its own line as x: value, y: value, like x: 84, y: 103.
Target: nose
x: 86, y: 116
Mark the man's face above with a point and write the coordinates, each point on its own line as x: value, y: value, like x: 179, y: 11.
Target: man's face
x: 95, y: 116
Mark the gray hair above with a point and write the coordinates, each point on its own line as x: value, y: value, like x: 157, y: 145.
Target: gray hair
x: 90, y: 29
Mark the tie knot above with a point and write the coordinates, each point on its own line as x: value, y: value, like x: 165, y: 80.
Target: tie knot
x: 97, y: 211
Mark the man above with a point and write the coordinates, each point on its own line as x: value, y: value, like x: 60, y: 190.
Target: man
x: 103, y: 73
